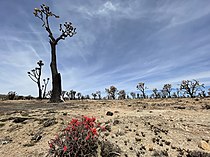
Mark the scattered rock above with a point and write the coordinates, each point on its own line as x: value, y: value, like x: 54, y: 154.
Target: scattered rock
x: 2, y: 124
x: 167, y: 143
x: 116, y: 121
x: 137, y: 139
x: 5, y: 140
x: 109, y: 149
x: 49, y: 122
x: 150, y: 148
x: 19, y: 119
x: 204, y: 145
x: 109, y: 113
x: 162, y: 153
x: 30, y: 144
x: 180, y: 107
x: 24, y: 114
x: 108, y: 127
x: 197, y: 154
x: 36, y: 137
x: 64, y: 113
x: 207, y: 107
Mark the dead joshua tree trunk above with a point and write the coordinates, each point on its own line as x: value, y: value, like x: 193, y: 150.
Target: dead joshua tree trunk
x: 35, y: 75
x: 56, y: 77
x: 43, y: 14
x: 45, y: 87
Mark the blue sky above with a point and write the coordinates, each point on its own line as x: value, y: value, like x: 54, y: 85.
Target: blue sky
x: 117, y: 43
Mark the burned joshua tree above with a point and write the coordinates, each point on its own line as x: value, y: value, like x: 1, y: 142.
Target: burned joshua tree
x: 142, y: 88
x: 67, y: 30
x: 44, y: 86
x: 112, y: 91
x: 35, y: 75
x: 191, y: 87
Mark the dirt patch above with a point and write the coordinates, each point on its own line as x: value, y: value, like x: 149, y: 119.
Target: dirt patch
x: 158, y: 127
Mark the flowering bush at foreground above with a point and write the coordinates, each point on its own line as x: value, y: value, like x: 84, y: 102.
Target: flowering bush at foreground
x: 78, y: 139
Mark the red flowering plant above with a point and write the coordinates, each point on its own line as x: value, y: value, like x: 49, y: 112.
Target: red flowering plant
x: 79, y: 138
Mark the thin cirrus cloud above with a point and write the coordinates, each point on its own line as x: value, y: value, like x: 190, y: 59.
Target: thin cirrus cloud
x: 117, y: 43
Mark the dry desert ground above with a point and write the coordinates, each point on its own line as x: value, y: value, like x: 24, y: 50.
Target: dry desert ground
x: 150, y: 127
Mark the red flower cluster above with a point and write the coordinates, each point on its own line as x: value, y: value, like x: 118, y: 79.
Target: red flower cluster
x: 76, y: 136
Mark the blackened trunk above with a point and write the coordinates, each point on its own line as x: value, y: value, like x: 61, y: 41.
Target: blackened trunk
x: 39, y: 83
x: 40, y: 91
x: 56, y: 77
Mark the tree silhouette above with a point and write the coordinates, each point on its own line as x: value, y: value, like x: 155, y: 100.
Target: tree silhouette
x: 66, y: 30
x: 35, y: 76
x: 112, y: 91
x: 191, y: 87
x: 167, y: 88
x: 44, y: 87
x: 155, y: 91
x: 122, y: 94
x: 133, y: 94
x: 142, y: 88
x: 94, y: 96
x: 98, y: 94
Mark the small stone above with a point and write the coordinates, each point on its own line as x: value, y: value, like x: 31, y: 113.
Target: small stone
x: 106, y: 134
x: 37, y: 137
x: 150, y: 148
x: 116, y: 121
x: 24, y: 114
x: 5, y: 140
x: 167, y: 143
x: 204, y: 145
x: 109, y: 113
x: 173, y: 147
x: 64, y: 113
x: 138, y: 139
x: 108, y: 127
x: 30, y: 144
x: 49, y: 122
x: 19, y: 119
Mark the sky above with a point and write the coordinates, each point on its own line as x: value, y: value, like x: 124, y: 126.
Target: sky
x: 118, y: 42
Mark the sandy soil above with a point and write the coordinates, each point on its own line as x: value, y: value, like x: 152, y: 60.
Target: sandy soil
x: 158, y: 127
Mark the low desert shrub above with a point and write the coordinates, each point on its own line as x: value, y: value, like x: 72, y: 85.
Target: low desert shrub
x: 79, y: 139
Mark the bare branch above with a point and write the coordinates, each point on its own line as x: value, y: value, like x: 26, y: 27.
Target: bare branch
x: 68, y: 30
x: 32, y: 78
